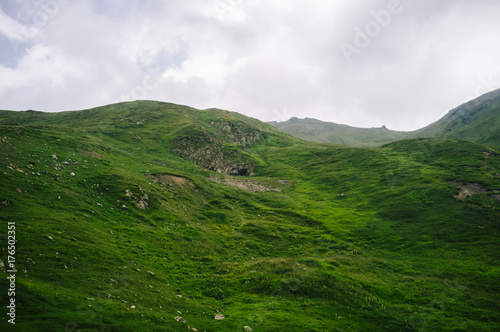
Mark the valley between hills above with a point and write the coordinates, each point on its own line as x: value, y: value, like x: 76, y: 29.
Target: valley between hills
x: 151, y: 216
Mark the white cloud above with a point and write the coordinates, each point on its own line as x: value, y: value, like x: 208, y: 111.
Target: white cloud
x: 266, y: 59
x: 11, y: 28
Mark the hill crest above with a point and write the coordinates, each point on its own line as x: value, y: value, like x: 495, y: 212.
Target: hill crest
x: 477, y: 121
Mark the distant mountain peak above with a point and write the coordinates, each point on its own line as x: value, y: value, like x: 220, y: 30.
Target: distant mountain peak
x: 477, y: 120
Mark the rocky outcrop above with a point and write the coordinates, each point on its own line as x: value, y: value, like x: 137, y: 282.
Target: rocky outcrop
x: 221, y: 148
x: 471, y: 189
x: 237, y: 133
x: 140, y: 199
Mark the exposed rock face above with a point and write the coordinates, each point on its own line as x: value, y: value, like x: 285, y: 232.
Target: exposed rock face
x: 220, y: 149
x: 471, y: 189
x: 141, y: 199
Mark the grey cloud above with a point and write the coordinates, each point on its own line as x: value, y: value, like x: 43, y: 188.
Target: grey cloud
x: 266, y: 59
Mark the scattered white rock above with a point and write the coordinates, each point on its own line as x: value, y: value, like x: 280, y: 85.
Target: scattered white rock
x: 50, y: 237
x: 219, y: 317
x: 72, y: 174
x: 132, y: 307
x: 151, y: 273
x: 54, y: 157
x: 247, y: 328
x: 180, y: 319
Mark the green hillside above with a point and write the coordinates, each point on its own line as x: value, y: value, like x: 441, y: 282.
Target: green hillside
x: 476, y: 121
x: 148, y: 216
x: 329, y: 132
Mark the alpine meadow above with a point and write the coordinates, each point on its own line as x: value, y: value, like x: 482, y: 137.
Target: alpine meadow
x: 151, y: 216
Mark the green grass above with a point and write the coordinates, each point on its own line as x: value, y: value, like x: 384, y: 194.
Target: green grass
x: 328, y: 132
x: 476, y: 121
x: 355, y: 240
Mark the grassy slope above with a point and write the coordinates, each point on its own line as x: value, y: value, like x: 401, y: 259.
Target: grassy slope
x: 476, y: 121
x: 327, y: 132
x: 357, y: 239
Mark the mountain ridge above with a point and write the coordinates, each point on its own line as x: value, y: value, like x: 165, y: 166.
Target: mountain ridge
x: 467, y: 121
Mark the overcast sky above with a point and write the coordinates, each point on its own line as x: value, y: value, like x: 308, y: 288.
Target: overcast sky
x: 365, y: 63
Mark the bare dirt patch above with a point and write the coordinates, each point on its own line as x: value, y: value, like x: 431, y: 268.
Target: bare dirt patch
x: 170, y: 180
x: 246, y: 184
x: 470, y: 189
x: 93, y: 154
x: 160, y: 162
